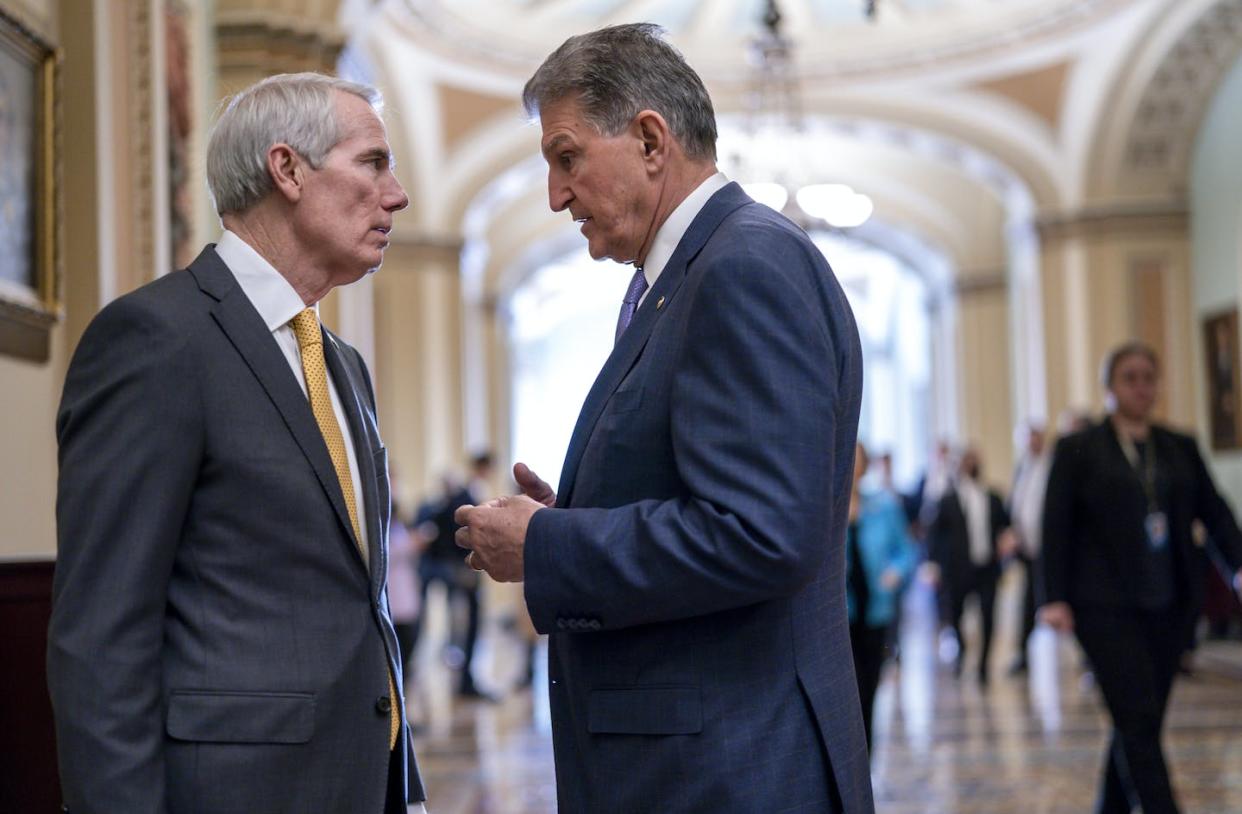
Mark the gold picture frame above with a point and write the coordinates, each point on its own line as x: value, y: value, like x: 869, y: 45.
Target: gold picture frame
x: 30, y: 279
x: 1223, y: 375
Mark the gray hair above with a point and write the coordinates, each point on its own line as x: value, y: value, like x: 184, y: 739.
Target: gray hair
x: 616, y: 72
x: 295, y: 109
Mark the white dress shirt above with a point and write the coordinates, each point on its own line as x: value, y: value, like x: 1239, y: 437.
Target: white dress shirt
x: 277, y: 303
x: 975, y: 506
x: 1027, y: 501
x: 674, y: 228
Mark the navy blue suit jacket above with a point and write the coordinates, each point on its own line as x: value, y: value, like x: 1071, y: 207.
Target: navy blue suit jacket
x: 692, y: 572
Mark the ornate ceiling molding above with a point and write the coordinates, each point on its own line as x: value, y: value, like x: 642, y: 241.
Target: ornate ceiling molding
x: 269, y: 42
x: 825, y: 53
x: 1141, y: 221
x: 1167, y: 119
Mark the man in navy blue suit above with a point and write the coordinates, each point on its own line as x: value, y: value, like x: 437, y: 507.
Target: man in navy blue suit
x: 691, y: 570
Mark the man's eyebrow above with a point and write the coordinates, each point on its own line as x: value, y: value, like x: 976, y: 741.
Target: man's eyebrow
x: 372, y: 153
x: 555, y: 144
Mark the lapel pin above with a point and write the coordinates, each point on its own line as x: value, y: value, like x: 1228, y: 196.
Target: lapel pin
x: 659, y: 303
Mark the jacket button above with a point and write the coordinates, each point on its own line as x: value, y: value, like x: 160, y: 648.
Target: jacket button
x: 383, y: 705
x: 594, y: 624
x: 560, y: 624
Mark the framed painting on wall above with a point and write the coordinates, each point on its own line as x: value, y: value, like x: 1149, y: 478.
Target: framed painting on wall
x: 1224, y: 379
x: 29, y: 278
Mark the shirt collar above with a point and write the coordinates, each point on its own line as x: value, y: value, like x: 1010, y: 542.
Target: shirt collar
x: 674, y: 227
x: 267, y: 289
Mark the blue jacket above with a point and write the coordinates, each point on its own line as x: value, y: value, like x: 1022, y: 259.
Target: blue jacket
x: 883, y: 543
x: 692, y: 573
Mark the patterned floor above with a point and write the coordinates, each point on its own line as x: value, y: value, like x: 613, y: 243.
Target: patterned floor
x: 1021, y: 745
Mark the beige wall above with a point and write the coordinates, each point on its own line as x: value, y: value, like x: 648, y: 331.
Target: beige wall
x: 28, y: 398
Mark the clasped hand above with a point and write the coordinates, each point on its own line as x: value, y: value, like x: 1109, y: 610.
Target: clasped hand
x: 495, y: 532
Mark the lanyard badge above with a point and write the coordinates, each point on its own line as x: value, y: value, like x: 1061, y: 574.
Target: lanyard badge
x: 1156, y: 524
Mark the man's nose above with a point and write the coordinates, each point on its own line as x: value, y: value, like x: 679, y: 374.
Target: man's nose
x: 559, y: 195
x: 396, y: 199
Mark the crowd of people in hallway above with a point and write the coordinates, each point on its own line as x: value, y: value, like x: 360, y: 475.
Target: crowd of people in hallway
x: 1119, y: 533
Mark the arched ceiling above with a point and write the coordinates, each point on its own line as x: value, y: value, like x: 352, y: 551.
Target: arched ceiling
x: 1024, y: 83
x: 832, y: 38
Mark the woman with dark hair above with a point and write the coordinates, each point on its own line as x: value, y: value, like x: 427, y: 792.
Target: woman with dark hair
x: 1117, y: 569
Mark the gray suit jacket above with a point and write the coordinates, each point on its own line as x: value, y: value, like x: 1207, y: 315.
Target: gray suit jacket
x: 692, y: 574
x: 216, y: 644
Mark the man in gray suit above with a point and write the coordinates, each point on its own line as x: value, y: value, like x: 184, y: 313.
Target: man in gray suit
x: 220, y: 638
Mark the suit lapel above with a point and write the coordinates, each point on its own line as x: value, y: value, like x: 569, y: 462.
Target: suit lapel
x: 627, y: 351
x: 237, y: 317
x: 347, y: 389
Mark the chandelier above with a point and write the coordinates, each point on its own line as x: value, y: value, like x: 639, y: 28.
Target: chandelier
x: 774, y: 117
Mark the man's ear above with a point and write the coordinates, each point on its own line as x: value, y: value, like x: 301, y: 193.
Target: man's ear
x: 656, y: 138
x: 287, y: 170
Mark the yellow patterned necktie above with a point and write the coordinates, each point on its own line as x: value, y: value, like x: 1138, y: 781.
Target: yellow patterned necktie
x: 310, y: 342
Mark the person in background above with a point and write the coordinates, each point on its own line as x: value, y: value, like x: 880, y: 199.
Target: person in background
x: 441, y: 562
x: 879, y: 558
x: 921, y: 504
x: 967, y: 540
x: 1026, y: 509
x: 403, y: 592
x: 1116, y: 566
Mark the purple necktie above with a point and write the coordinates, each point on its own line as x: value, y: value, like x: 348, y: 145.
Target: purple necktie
x: 638, y: 284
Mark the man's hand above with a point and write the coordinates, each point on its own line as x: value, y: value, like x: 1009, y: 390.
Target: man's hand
x: 533, y: 486
x: 495, y: 534
x: 1058, y: 616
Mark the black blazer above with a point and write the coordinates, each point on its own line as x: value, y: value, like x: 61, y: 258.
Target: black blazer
x: 1095, y: 510
x: 948, y: 538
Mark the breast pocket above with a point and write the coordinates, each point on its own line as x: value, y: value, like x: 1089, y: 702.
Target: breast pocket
x: 626, y: 401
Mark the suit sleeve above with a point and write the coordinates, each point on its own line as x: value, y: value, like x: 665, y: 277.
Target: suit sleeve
x: 1214, y: 512
x: 755, y: 402
x: 130, y: 442
x: 1052, y: 571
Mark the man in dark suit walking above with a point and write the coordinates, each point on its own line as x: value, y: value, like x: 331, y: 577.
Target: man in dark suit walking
x: 691, y: 570
x: 220, y: 639
x: 967, y: 541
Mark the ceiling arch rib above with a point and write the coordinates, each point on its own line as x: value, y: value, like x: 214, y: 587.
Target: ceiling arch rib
x: 1152, y: 116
